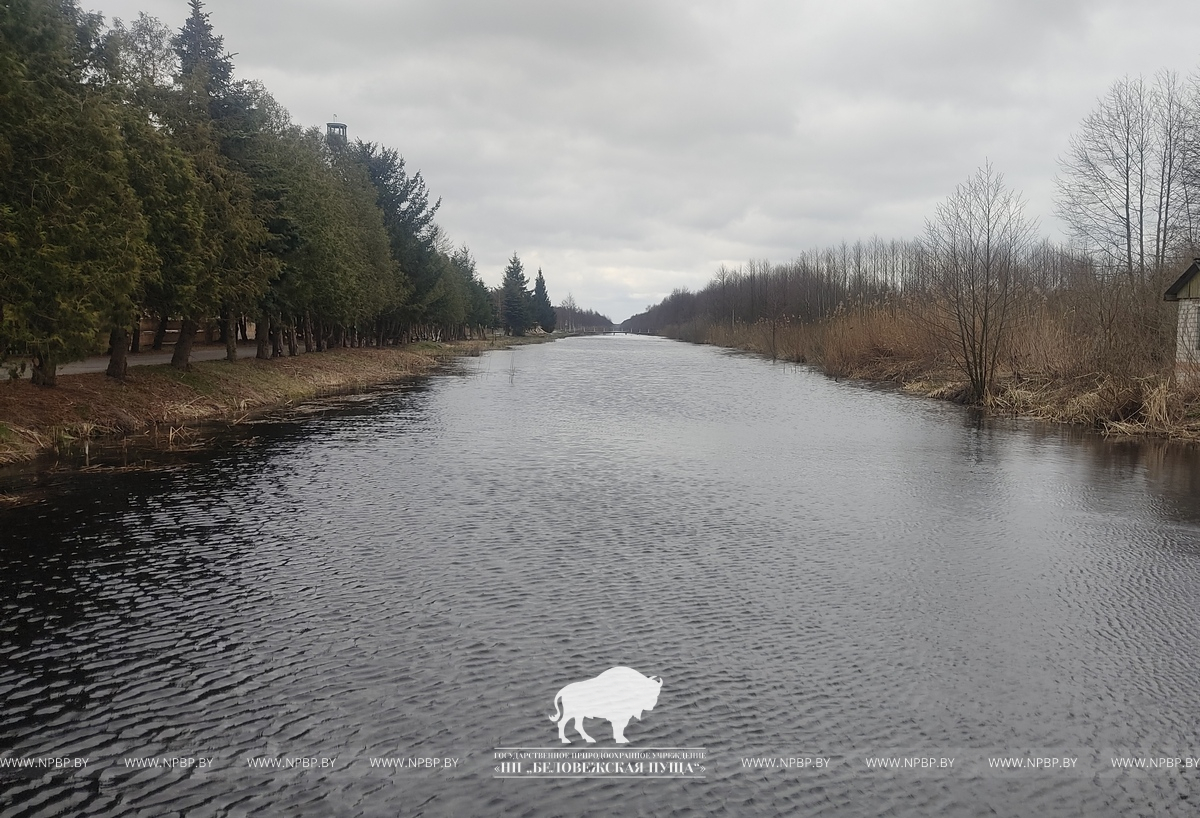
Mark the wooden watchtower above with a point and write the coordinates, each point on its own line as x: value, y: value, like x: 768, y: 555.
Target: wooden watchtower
x: 335, y: 133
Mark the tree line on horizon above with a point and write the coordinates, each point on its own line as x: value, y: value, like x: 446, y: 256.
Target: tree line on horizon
x: 519, y: 309
x: 139, y: 178
x: 980, y: 276
x: 573, y: 318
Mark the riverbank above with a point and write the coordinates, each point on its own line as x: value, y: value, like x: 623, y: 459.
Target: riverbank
x: 1047, y: 373
x: 34, y: 419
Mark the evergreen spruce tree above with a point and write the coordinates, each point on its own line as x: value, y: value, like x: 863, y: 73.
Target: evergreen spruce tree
x: 202, y: 56
x: 543, y: 310
x: 408, y: 217
x: 514, y: 298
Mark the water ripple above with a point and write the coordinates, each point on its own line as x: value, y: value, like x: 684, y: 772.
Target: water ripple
x: 813, y: 568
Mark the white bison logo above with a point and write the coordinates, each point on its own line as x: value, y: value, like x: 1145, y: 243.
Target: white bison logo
x: 618, y: 694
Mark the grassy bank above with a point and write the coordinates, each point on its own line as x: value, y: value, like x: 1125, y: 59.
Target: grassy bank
x: 1050, y: 369
x: 37, y: 419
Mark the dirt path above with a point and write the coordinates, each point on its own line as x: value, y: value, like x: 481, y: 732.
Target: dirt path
x: 99, y: 363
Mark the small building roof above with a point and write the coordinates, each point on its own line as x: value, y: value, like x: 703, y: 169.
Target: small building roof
x: 1172, y: 293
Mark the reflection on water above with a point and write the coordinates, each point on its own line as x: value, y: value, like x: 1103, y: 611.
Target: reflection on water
x: 814, y: 569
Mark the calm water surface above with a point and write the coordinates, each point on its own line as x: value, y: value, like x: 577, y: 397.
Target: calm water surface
x: 815, y: 569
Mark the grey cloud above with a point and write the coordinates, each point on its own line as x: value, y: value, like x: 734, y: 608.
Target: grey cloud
x: 630, y: 147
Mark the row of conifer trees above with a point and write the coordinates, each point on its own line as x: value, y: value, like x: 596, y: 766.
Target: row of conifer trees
x: 139, y: 178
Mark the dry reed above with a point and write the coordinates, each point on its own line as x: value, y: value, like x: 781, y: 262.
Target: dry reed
x: 1108, y: 366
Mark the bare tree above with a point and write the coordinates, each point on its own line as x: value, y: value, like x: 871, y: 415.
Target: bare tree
x: 1188, y: 214
x: 1119, y: 186
x: 977, y: 244
x: 568, y: 312
x: 1171, y: 121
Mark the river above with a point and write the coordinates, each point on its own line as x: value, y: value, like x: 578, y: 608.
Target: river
x: 858, y: 602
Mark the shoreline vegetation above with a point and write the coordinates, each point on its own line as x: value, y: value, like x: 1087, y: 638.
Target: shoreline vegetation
x: 161, y: 402
x: 887, y: 343
x: 1101, y: 331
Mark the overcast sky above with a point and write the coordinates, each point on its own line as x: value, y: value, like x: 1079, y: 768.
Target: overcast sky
x: 630, y: 147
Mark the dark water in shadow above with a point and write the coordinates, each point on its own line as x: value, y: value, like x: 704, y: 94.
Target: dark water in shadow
x: 814, y: 569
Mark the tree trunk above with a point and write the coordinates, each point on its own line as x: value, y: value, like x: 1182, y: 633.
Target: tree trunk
x: 243, y: 329
x: 308, y: 333
x: 229, y: 326
x: 276, y: 340
x: 291, y: 341
x: 45, y: 370
x: 160, y: 334
x: 118, y: 363
x: 181, y: 359
x: 135, y: 339
x: 262, y: 338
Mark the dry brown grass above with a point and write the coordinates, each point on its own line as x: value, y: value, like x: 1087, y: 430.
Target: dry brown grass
x: 1058, y: 363
x: 875, y: 341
